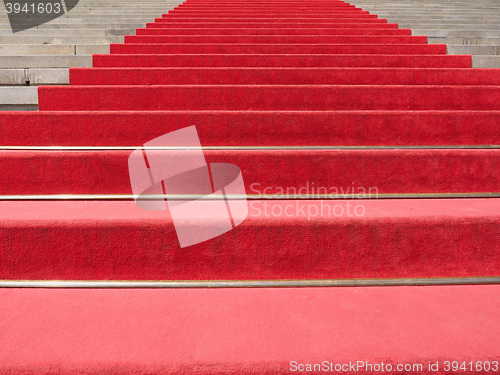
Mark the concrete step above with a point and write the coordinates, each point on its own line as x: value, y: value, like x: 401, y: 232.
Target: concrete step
x: 89, y: 26
x: 462, y: 33
x: 450, y: 26
x: 34, y: 76
x: 466, y: 27
x: 119, y: 12
x: 446, y: 22
x: 37, y: 49
x: 42, y: 55
x: 60, y: 39
x: 54, y: 61
x: 47, y: 76
x: 83, y: 17
x: 52, y: 49
x: 461, y: 49
x: 467, y: 41
x: 36, y: 32
x: 108, y: 31
x: 485, y: 61
x: 92, y: 20
x: 18, y: 98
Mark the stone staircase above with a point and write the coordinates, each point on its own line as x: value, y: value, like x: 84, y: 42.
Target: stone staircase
x: 43, y: 55
x: 370, y: 163
x: 34, y: 57
x: 467, y: 27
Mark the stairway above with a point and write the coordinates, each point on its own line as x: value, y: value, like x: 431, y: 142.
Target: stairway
x: 44, y: 54
x: 467, y: 27
x: 370, y: 165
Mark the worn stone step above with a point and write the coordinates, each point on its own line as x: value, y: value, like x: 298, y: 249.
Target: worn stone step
x: 54, y: 61
x: 486, y: 61
x: 34, y: 76
x: 461, y: 49
x: 466, y: 41
x: 461, y: 33
x: 18, y: 96
x: 60, y: 39
x: 89, y: 26
x: 52, y: 49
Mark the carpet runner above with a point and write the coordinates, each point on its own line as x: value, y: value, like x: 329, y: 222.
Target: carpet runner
x: 369, y: 157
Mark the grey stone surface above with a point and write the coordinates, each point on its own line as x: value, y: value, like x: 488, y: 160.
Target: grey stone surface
x: 463, y: 49
x: 485, y: 61
x: 90, y: 49
x: 42, y: 55
x: 56, y: 61
x: 19, y: 95
x: 12, y: 77
x: 467, y: 27
x: 36, y: 49
x: 62, y: 39
x: 18, y: 107
x: 59, y: 76
x: 34, y: 76
x: 465, y: 41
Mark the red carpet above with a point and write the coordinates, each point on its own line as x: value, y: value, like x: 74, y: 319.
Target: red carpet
x: 291, y: 60
x: 269, y: 97
x: 160, y: 24
x: 276, y: 31
x: 303, y: 239
x: 247, y: 331
x: 280, y: 76
x: 186, y: 48
x: 334, y: 171
x: 306, y: 98
x: 356, y: 39
x: 254, y: 128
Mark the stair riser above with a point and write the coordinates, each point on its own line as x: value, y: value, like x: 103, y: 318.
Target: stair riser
x: 269, y: 98
x: 383, y: 171
x: 312, y: 16
x: 260, y: 9
x: 263, y: 39
x: 290, y: 22
x: 266, y: 13
x: 227, y: 31
x: 297, y: 76
x: 263, y: 5
x: 413, y: 49
x: 276, y: 23
x: 118, y: 241
x: 277, y: 60
x: 249, y: 128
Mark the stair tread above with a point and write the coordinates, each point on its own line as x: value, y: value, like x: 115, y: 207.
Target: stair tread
x: 245, y: 330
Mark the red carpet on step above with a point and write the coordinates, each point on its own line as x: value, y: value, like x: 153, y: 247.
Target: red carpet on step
x: 302, y: 96
x: 246, y: 331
